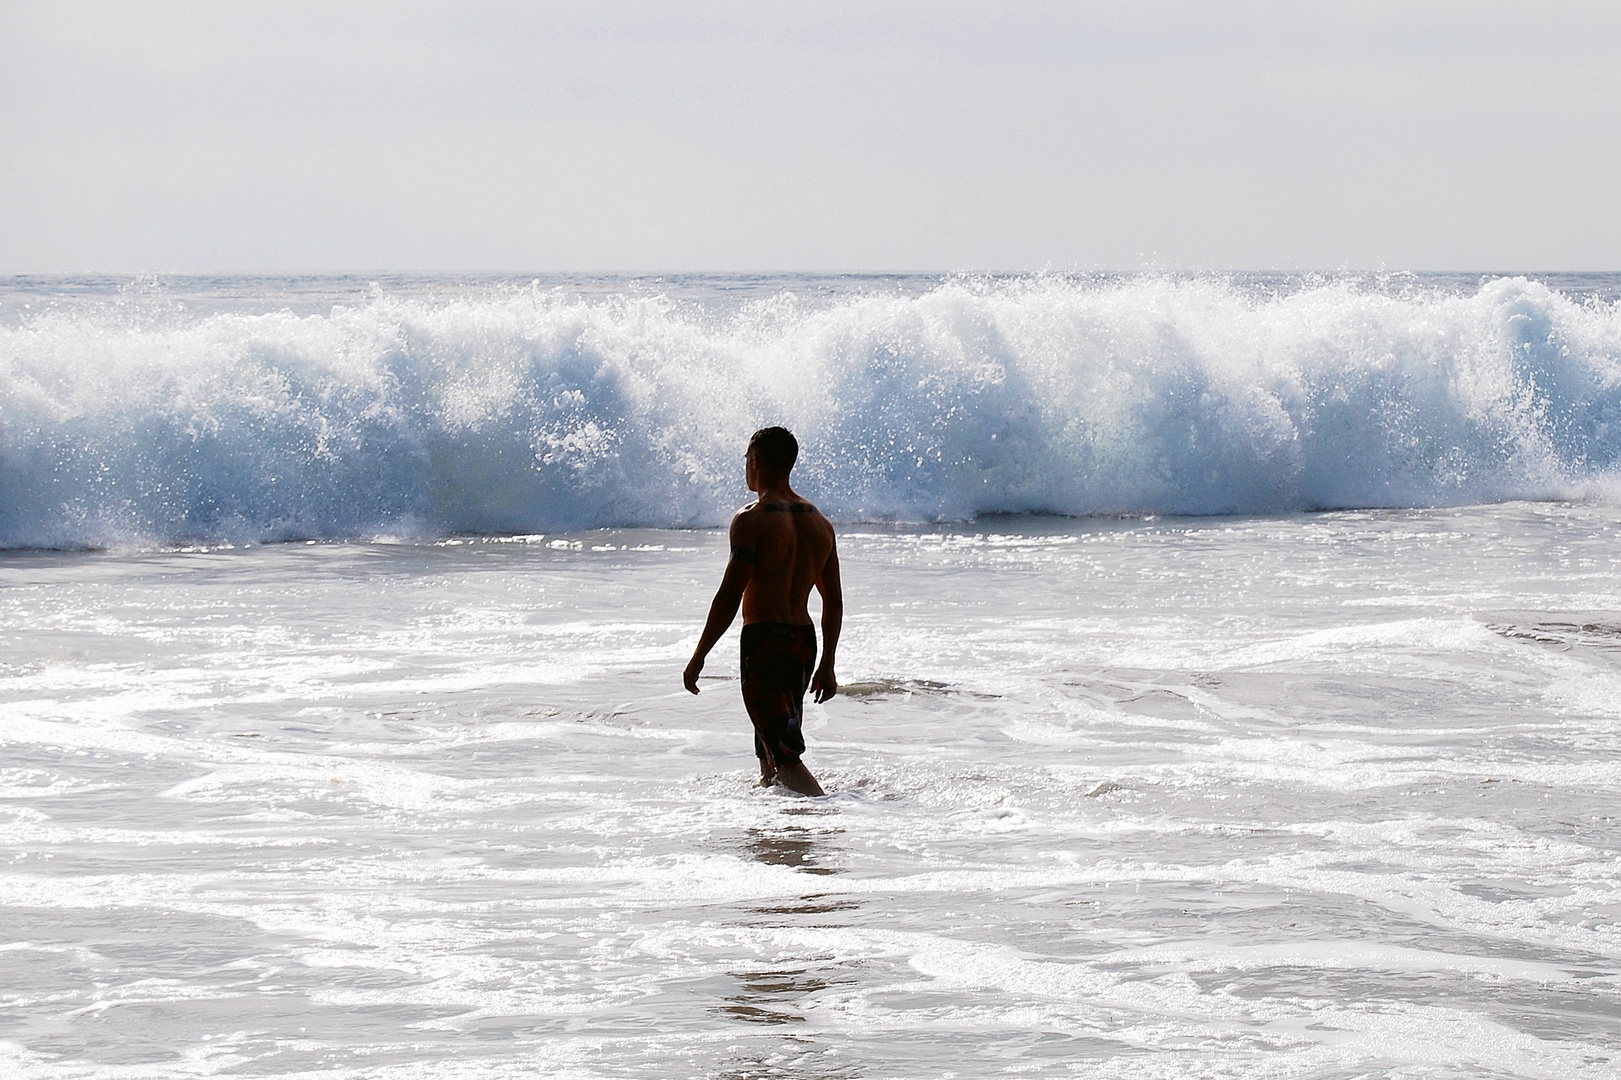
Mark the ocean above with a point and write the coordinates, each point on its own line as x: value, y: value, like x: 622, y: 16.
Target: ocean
x: 1232, y: 678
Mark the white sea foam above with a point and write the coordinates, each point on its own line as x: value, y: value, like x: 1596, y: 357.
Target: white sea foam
x: 534, y: 410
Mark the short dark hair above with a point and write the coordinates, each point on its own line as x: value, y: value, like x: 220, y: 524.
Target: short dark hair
x: 775, y: 447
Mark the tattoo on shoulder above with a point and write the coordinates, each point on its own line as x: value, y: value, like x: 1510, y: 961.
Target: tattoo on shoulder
x: 742, y: 553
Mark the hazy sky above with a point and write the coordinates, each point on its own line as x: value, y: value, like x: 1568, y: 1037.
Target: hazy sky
x: 354, y: 135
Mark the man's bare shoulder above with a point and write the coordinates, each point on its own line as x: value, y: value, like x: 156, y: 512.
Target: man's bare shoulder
x: 744, y: 534
x: 817, y: 518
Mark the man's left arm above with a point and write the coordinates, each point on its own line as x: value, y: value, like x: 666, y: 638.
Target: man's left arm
x: 823, y: 683
x: 723, y: 609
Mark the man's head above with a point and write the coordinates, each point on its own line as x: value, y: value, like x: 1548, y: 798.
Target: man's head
x: 773, y: 451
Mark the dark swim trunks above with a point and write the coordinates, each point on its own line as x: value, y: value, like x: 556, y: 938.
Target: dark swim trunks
x: 778, y: 661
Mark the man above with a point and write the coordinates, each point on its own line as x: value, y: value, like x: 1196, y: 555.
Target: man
x: 781, y: 547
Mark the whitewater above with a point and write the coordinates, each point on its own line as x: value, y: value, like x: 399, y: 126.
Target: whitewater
x: 249, y: 410
x: 1232, y: 678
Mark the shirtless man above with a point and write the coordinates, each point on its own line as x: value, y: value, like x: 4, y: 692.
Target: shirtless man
x: 781, y: 546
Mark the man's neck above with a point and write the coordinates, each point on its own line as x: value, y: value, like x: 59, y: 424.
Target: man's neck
x: 780, y: 492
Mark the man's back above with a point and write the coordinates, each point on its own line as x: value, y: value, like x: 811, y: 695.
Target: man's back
x: 791, y: 542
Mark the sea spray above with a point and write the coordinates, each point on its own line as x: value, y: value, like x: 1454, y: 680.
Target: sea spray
x: 538, y: 409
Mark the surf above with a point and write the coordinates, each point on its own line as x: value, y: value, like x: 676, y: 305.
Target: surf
x: 524, y: 408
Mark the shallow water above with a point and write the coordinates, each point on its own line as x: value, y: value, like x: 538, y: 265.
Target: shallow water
x: 1324, y: 795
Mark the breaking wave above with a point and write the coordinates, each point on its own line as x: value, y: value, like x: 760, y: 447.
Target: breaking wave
x: 531, y: 409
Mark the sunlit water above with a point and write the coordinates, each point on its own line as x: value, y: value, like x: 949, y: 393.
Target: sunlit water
x: 1306, y: 796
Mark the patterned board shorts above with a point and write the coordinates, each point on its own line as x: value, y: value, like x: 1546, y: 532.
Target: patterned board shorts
x: 778, y: 661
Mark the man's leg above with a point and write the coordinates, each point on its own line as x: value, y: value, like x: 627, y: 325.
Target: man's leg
x: 775, y: 674
x: 768, y: 765
x: 796, y: 777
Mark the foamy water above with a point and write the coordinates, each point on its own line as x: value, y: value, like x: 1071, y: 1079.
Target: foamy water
x: 1324, y: 795
x: 247, y: 409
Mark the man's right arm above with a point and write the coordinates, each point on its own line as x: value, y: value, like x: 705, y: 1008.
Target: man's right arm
x: 723, y: 609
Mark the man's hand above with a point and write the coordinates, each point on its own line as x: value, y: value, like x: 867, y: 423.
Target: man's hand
x: 824, y: 684
x: 690, y: 676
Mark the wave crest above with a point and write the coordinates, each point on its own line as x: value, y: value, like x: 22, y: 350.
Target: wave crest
x: 540, y: 410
